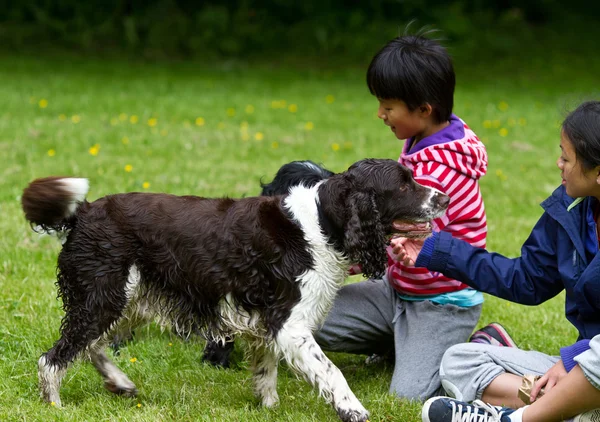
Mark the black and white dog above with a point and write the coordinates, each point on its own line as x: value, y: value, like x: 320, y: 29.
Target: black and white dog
x: 302, y: 172
x: 267, y: 268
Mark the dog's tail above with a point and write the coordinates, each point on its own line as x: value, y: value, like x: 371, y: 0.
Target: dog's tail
x: 51, y: 202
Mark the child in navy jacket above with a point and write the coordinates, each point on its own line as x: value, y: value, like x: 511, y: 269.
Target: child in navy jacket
x: 561, y: 253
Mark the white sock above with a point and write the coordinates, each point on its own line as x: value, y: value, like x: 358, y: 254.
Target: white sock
x: 517, y: 415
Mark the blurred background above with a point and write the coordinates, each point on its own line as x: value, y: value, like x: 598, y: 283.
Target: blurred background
x: 281, y: 29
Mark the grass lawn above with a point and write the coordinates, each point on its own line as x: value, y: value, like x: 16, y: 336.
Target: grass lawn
x: 217, y: 129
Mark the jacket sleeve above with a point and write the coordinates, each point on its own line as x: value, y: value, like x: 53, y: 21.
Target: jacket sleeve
x: 529, y: 279
x: 569, y: 353
x: 586, y: 292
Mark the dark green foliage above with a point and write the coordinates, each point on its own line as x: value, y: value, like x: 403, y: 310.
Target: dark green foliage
x: 243, y: 28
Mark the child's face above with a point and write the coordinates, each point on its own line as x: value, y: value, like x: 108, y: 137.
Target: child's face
x: 577, y: 181
x: 403, y: 122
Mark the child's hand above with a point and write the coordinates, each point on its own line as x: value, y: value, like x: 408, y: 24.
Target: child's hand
x: 406, y: 250
x: 548, y: 380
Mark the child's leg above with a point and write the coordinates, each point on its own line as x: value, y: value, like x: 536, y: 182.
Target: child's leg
x: 360, y: 320
x: 423, y: 331
x: 472, y: 371
x: 572, y: 395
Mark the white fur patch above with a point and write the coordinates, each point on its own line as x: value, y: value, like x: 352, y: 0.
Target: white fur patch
x: 78, y: 189
x: 133, y: 280
x: 239, y: 321
x: 318, y: 286
x: 50, y: 378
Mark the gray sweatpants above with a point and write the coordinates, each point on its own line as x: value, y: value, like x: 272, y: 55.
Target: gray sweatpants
x: 467, y: 369
x: 368, y: 317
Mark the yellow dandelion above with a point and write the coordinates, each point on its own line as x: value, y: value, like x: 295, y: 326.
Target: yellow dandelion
x: 133, y: 360
x: 231, y: 111
x: 128, y: 168
x: 249, y: 109
x: 335, y: 147
x: 75, y: 118
x: 145, y: 185
x: 114, y: 121
x: 278, y: 104
x: 94, y: 150
x: 245, y: 136
x: 51, y: 153
x: 170, y: 344
x: 52, y: 403
x: 293, y: 108
x: 275, y: 145
x: 329, y: 99
x: 522, y: 121
x: 133, y: 119
x: 43, y: 103
x: 122, y: 117
x: 503, y: 131
x: 152, y: 121
x: 125, y: 140
x: 200, y: 121
x: 259, y: 136
x: 139, y: 405
x: 221, y: 126
x: 496, y: 124
x: 62, y: 117
x: 503, y: 106
x: 309, y: 126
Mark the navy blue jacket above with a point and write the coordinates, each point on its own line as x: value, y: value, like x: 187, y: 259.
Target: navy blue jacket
x: 560, y: 253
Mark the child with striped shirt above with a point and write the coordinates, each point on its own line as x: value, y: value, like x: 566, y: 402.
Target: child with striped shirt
x: 412, y: 314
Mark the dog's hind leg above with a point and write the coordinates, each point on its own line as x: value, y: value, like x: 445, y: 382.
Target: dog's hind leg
x: 263, y: 364
x: 89, y: 314
x: 303, y: 354
x: 115, y: 380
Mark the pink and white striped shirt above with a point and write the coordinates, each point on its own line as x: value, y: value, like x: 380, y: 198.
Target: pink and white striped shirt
x: 452, y: 161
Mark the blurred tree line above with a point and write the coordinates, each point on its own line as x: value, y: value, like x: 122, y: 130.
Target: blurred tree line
x: 243, y: 28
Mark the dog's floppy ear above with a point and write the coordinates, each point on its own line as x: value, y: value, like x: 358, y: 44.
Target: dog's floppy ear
x: 364, y: 238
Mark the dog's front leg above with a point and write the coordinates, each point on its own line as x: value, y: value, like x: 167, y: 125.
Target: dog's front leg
x: 303, y: 354
x: 263, y: 363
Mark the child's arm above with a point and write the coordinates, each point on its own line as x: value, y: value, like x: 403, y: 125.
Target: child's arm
x: 529, y: 279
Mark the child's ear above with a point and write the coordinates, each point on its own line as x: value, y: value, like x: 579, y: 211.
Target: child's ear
x: 597, y: 170
x: 425, y: 110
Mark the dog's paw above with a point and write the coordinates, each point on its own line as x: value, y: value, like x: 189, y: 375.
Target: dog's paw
x: 217, y: 354
x: 353, y: 415
x: 126, y: 389
x: 270, y: 400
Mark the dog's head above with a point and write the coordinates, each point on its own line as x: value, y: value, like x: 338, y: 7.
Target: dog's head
x: 372, y: 200
x: 295, y: 173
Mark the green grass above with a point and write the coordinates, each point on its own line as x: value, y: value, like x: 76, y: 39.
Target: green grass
x: 514, y: 105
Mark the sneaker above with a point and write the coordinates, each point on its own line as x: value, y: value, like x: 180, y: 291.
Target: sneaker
x: 446, y: 409
x: 493, y: 334
x: 591, y: 416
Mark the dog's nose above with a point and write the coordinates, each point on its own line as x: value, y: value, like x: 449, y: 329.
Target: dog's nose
x: 441, y: 200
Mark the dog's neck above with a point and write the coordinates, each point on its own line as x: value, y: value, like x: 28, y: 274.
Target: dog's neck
x: 330, y: 204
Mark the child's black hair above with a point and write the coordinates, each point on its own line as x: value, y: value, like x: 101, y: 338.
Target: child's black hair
x: 582, y: 128
x: 416, y: 70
